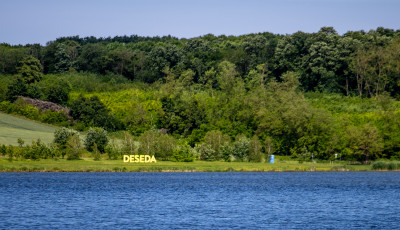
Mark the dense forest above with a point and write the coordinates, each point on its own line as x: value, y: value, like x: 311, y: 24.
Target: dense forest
x: 227, y: 97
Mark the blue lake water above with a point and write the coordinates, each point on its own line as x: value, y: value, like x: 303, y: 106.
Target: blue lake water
x: 282, y: 200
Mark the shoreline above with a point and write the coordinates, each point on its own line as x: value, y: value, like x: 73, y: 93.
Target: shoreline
x: 89, y: 165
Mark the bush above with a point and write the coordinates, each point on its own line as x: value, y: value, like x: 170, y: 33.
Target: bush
x: 113, y: 150
x: 255, y: 154
x: 183, y: 154
x: 3, y: 150
x: 240, y: 150
x: 16, y: 88
x: 59, y: 92
x: 54, y: 117
x: 61, y: 138
x: 38, y: 150
x: 206, y: 152
x: 94, y: 113
x: 214, y: 140
x: 153, y: 142
x: 74, y: 148
x: 381, y: 165
x: 96, y: 153
x: 226, y: 151
x: 96, y: 136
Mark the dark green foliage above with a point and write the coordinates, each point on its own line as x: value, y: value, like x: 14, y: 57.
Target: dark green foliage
x: 93, y: 112
x: 383, y: 165
x: 16, y: 88
x: 61, y: 139
x: 34, y: 91
x: 96, y: 136
x: 58, y: 92
x: 293, y: 94
x: 3, y: 150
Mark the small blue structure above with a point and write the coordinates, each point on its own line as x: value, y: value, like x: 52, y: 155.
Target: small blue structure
x: 271, y: 159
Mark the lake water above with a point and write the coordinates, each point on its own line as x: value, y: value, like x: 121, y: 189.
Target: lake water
x: 282, y: 200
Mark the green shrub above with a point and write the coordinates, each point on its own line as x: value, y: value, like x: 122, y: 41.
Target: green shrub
x: 54, y: 117
x: 73, y: 148
x: 37, y: 150
x: 58, y: 92
x: 183, y: 154
x: 3, y: 150
x: 226, y: 151
x: 96, y: 153
x: 61, y: 137
x: 240, y: 150
x: 92, y: 112
x: 16, y: 88
x: 382, y: 165
x: 96, y: 136
x: 113, y: 150
x: 206, y: 152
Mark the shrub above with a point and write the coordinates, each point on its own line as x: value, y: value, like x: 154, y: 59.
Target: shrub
x: 74, y: 148
x: 3, y: 150
x: 93, y: 112
x: 54, y: 117
x: 240, y: 150
x: 206, y: 152
x: 36, y: 151
x: 255, y: 154
x: 113, y: 150
x: 381, y: 165
x: 183, y: 154
x: 61, y: 137
x: 16, y: 88
x: 128, y: 144
x: 59, y: 92
x: 96, y: 153
x: 226, y: 151
x: 96, y: 136
x: 214, y: 140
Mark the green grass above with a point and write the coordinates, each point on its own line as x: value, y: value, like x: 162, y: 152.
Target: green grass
x: 12, y: 128
x: 89, y: 165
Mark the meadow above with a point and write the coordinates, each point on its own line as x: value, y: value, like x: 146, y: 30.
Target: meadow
x: 90, y: 165
x: 12, y: 128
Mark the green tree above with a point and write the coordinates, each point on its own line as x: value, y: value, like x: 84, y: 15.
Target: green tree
x: 61, y: 138
x: 96, y: 136
x: 30, y: 70
x: 183, y: 153
x: 59, y: 92
x: 74, y: 149
x: 16, y: 88
x: 365, y: 141
x: 255, y: 150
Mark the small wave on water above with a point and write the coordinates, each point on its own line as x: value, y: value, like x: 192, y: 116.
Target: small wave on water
x: 288, y: 200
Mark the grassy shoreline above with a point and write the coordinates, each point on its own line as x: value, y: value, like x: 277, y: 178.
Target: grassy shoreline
x: 89, y: 165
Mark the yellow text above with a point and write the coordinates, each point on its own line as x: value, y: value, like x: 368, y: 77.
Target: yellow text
x: 139, y: 159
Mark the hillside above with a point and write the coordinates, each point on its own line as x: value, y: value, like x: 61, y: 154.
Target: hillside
x: 12, y: 128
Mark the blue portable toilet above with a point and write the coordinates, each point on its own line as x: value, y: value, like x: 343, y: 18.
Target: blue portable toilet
x: 271, y: 159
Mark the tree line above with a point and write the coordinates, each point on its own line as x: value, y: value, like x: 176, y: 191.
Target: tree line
x: 220, y: 98
x: 355, y: 63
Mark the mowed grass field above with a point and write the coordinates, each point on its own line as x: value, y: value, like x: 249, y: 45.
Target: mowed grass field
x: 12, y: 128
